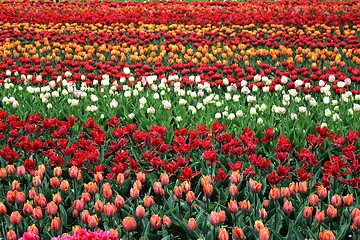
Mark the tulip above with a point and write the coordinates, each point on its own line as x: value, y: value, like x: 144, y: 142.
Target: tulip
x: 166, y: 221
x: 264, y: 233
x: 141, y: 176
x: 313, y: 200
x: 11, y: 196
x: 54, y: 182
x: 91, y: 187
x: 214, y: 218
x: 98, y: 177
x: 237, y: 233
x: 235, y: 177
x: 40, y: 200
x: 327, y: 235
x: 57, y: 172
x: 51, y: 208
x: 288, y: 207
x: 186, y: 186
x: 28, y: 208
x: 57, y: 198
x: 85, y: 216
x: 275, y: 193
x: 134, y: 193
x: 33, y: 229
x: 55, y: 224
x: 255, y: 186
x: 266, y: 203
x: 129, y: 224
x: 263, y: 213
x: 110, y: 209
x: 21, y: 171
x: 3, y: 209
x: 11, y: 235
x: 223, y: 234
x: 233, y: 206
x: 137, y: 184
x: 355, y: 212
x: 93, y: 221
x: 99, y: 206
x: 140, y: 212
x: 208, y: 189
x: 285, y: 192
x: 348, y: 200
x: 10, y: 169
x: 120, y: 179
x: 15, y: 185
x: 64, y: 186
x: 356, y: 221
x: 307, y: 214
x: 164, y: 178
x: 320, y: 216
x: 36, y: 181
x: 222, y: 216
x: 155, y: 222
x: 233, y: 190
x: 107, y: 191
x: 73, y: 172
x: 158, y: 189
x: 119, y: 201
x: 322, y: 192
x: 20, y: 197
x: 78, y: 205
x: 15, y: 218
x: 37, y: 213
x: 258, y: 225
x: 331, y: 211
x: 336, y: 201
x: 190, y: 197
x: 148, y: 201
x: 244, y: 205
x: 177, y: 192
x: 303, y: 187
x: 192, y: 224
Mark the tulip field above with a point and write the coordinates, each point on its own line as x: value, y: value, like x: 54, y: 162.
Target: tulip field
x: 179, y: 120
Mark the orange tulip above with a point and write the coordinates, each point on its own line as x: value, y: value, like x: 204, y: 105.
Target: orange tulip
x: 264, y: 233
x: 331, y: 211
x: 129, y: 224
x: 15, y: 218
x: 223, y: 234
x: 155, y: 222
x: 327, y: 235
x: 166, y: 221
x: 11, y: 235
x: 307, y: 214
x: 233, y: 206
x: 140, y: 212
x: 348, y: 200
x: 51, y: 208
x: 237, y: 233
x: 93, y: 221
x: 148, y: 201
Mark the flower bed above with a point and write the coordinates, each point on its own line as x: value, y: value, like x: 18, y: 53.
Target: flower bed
x: 179, y: 120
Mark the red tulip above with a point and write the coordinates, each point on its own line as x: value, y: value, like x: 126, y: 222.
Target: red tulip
x: 55, y: 224
x: 331, y: 211
x: 288, y: 207
x: 155, y: 222
x: 327, y: 235
x: 223, y: 234
x: 336, y: 201
x: 237, y: 233
x: 192, y: 224
x: 308, y: 212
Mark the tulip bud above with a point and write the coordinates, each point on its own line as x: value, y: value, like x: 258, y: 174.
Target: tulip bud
x: 192, y: 224
x: 190, y: 197
x: 266, y: 203
x: 129, y: 224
